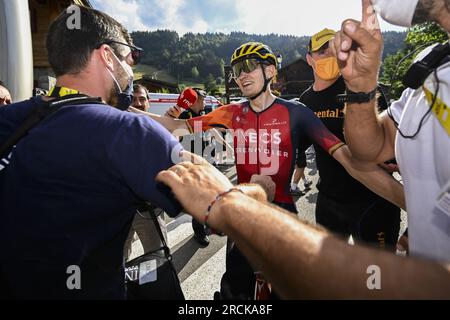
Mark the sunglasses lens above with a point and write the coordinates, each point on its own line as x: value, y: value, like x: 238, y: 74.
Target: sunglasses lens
x: 246, y: 66
x: 236, y: 71
x: 136, y: 55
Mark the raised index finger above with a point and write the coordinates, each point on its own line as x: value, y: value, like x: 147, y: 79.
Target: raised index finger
x: 369, y: 16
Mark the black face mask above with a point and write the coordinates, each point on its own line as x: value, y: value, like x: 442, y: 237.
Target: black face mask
x: 125, y: 98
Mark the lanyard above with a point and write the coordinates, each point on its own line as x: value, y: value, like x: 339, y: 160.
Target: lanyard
x: 59, y: 92
x: 440, y: 110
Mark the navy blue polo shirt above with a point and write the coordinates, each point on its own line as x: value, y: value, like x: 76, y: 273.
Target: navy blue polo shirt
x: 69, y: 194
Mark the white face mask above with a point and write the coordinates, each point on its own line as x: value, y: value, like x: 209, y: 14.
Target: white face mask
x: 128, y: 71
x: 125, y: 96
x: 398, y: 12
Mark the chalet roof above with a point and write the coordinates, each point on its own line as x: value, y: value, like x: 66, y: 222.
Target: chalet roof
x: 148, y: 79
x: 298, y: 61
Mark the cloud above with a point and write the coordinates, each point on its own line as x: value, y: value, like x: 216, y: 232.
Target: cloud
x: 173, y: 15
x: 145, y: 15
x: 298, y: 18
x: 252, y: 16
x: 124, y: 11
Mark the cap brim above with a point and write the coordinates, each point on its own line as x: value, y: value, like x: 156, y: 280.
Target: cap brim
x: 321, y: 38
x: 323, y: 41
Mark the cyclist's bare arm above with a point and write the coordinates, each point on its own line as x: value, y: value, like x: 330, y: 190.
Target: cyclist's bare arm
x: 175, y: 126
x: 372, y: 176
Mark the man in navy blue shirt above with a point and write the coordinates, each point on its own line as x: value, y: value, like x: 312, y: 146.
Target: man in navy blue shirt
x: 70, y: 188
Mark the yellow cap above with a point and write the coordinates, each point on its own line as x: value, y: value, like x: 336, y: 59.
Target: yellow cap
x: 320, y: 38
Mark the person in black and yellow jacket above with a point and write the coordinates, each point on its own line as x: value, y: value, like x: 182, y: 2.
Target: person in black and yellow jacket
x: 344, y: 205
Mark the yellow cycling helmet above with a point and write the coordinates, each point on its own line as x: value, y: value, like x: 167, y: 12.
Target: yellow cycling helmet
x: 254, y: 50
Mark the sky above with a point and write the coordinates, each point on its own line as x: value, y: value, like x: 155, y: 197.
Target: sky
x: 287, y: 17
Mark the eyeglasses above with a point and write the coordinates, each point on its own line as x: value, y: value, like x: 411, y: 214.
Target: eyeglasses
x: 136, y: 52
x: 246, y: 66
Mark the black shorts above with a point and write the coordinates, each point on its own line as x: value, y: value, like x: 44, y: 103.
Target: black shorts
x: 301, y: 159
x: 374, y: 222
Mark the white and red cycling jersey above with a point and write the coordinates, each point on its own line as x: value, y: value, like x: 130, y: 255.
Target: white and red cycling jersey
x: 266, y: 142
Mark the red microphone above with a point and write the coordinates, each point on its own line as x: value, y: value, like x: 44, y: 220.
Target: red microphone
x: 187, y: 98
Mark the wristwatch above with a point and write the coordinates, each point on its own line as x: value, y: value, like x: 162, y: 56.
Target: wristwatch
x: 356, y: 97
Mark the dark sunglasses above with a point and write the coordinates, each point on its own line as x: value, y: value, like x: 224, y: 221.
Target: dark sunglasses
x: 136, y: 52
x: 246, y: 66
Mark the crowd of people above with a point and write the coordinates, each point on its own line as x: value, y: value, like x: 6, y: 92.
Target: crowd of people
x: 76, y: 185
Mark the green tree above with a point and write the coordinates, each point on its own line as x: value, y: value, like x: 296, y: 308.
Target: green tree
x: 221, y: 68
x: 426, y: 33
x: 396, y: 65
x: 210, y: 84
x: 194, y: 73
x: 210, y: 52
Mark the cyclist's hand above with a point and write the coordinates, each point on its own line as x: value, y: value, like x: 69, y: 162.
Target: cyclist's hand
x: 267, y: 184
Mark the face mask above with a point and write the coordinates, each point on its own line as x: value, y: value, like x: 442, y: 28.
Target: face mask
x: 398, y: 12
x: 327, y: 69
x: 125, y: 96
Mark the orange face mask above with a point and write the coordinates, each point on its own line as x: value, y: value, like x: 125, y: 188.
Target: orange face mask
x: 327, y: 68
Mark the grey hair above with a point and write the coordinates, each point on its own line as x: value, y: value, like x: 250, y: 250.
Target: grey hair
x: 423, y: 11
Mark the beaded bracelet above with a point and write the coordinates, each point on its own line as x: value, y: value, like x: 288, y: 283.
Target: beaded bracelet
x: 207, y: 213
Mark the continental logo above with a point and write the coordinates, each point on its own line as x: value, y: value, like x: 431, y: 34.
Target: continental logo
x: 331, y: 113
x: 275, y: 122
